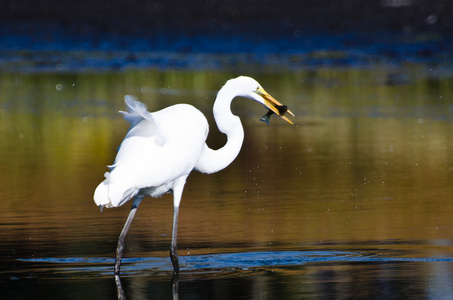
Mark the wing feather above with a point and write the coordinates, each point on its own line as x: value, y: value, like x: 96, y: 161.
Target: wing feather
x: 137, y: 111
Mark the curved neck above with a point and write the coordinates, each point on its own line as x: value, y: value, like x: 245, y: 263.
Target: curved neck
x: 212, y: 161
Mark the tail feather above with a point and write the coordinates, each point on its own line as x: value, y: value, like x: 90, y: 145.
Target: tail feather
x: 101, y: 195
x: 112, y: 195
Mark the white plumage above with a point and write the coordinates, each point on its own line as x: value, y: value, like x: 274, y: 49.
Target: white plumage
x: 139, y: 163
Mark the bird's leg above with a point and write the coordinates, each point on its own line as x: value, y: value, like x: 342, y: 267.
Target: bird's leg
x: 120, y: 247
x: 177, y: 194
x: 173, y: 248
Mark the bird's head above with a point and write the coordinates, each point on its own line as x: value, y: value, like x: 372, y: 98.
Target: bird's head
x: 250, y: 88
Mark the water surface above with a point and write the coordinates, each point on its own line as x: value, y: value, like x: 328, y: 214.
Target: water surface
x: 354, y: 200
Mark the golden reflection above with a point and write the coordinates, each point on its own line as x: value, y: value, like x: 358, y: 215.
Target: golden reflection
x: 367, y: 161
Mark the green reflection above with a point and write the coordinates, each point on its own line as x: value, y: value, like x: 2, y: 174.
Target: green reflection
x: 369, y: 157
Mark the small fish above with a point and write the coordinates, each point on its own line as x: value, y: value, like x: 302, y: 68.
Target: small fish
x: 282, y: 109
x: 266, y: 117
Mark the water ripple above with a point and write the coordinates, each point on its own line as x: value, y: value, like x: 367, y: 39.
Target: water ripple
x: 233, y: 262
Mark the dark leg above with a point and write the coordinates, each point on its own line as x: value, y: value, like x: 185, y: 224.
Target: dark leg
x: 120, y: 247
x: 173, y: 248
x: 177, y: 194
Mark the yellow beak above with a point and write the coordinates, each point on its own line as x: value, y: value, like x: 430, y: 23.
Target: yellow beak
x: 275, y: 106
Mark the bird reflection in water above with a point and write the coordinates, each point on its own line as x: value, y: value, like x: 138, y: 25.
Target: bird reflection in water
x: 119, y: 288
x: 174, y: 287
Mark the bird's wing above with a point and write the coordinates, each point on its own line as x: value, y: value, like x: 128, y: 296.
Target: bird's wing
x: 142, y: 125
x: 154, y: 153
x: 140, y: 151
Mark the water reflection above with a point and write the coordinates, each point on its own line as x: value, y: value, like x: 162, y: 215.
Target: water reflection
x: 174, y: 287
x: 367, y: 167
x: 120, y: 291
x: 328, y: 274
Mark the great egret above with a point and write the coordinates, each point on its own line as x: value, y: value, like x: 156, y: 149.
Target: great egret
x: 162, y: 148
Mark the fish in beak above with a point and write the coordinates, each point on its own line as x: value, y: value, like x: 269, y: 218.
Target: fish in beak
x: 274, y: 107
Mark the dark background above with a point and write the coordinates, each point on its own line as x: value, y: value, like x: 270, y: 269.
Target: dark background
x: 273, y: 15
x: 397, y: 30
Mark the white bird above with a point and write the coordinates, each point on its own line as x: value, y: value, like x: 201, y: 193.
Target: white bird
x: 162, y: 148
